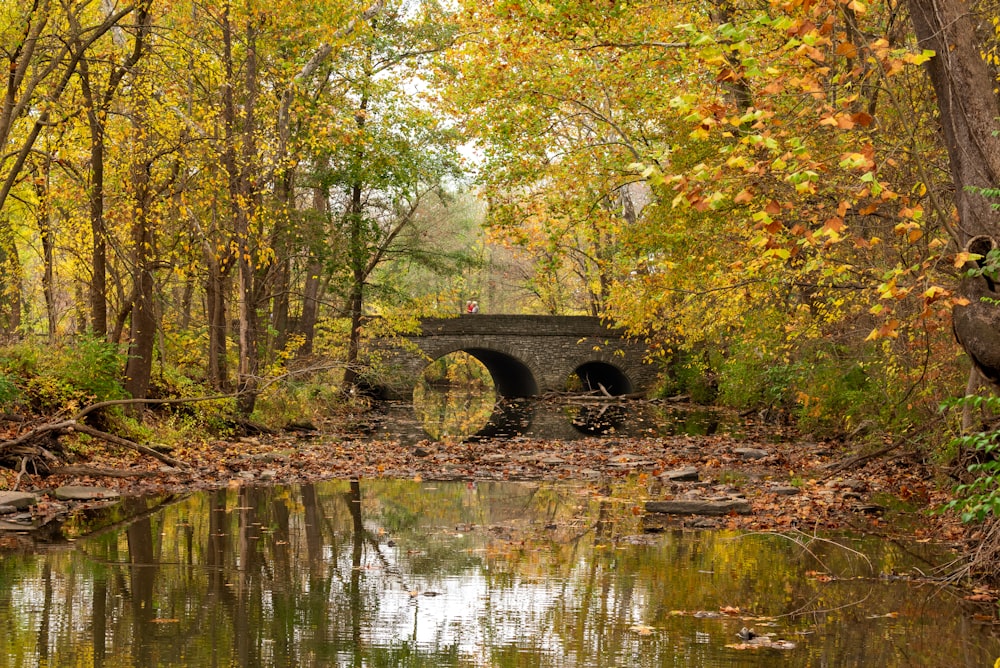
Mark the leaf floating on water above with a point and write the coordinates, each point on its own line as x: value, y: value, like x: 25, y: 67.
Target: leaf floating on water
x: 641, y: 629
x: 729, y: 610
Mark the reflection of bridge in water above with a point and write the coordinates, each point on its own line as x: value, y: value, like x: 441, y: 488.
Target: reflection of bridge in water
x: 527, y: 355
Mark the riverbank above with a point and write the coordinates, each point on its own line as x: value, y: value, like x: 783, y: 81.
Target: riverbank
x: 763, y: 479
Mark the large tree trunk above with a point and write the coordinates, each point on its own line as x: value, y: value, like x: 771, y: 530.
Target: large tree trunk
x: 969, y: 112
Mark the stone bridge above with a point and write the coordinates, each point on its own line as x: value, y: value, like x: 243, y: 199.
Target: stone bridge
x: 529, y: 355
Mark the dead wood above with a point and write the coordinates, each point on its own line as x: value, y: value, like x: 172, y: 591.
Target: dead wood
x: 100, y: 471
x: 69, y: 426
x: 857, y: 460
x: 25, y: 446
x: 596, y: 396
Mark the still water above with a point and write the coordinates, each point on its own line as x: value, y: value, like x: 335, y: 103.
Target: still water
x: 489, y: 417
x: 455, y: 400
x: 408, y: 573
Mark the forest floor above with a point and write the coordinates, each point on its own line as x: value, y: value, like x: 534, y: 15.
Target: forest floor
x: 781, y: 480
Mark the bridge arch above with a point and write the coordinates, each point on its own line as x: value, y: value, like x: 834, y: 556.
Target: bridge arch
x: 512, y: 376
x: 599, y: 374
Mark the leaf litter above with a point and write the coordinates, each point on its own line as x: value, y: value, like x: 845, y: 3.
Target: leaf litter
x: 781, y: 474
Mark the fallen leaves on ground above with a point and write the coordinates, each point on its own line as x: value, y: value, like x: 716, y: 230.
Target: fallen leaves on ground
x: 787, y: 488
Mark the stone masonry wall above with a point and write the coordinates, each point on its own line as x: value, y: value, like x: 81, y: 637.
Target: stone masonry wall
x: 551, y: 348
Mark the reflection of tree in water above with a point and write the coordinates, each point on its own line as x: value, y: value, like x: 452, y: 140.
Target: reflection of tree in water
x: 510, y: 417
x: 528, y: 574
x: 598, y: 419
x: 454, y: 398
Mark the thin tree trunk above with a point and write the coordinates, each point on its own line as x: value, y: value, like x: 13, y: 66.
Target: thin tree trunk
x: 95, y: 197
x: 359, y: 261
x: 215, y: 310
x: 310, y: 305
x: 48, y: 243
x: 239, y: 127
x: 279, y: 272
x: 142, y: 335
x: 10, y: 280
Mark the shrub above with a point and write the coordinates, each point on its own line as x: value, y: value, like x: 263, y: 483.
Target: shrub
x: 54, y: 378
x: 978, y: 498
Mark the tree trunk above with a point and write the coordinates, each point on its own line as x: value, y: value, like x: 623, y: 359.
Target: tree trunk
x: 969, y: 112
x: 310, y: 305
x: 215, y: 311
x: 968, y: 105
x: 358, y: 261
x: 356, y: 298
x: 10, y: 280
x: 142, y: 334
x: 239, y: 128
x: 95, y: 196
x: 48, y: 244
x: 279, y: 273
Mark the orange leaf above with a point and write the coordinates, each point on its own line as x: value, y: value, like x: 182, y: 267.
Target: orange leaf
x: 847, y: 50
x: 834, y: 224
x: 862, y: 119
x: 845, y: 123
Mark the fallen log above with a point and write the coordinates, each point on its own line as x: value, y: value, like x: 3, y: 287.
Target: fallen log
x: 74, y: 425
x: 100, y: 471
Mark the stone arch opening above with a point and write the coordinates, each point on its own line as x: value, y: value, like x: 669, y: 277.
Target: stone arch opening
x: 595, y: 375
x: 511, y: 377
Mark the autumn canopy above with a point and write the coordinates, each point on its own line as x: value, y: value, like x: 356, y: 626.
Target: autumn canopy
x: 789, y: 200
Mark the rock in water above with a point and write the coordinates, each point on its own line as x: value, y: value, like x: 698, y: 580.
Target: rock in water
x: 84, y: 493
x: 19, y: 500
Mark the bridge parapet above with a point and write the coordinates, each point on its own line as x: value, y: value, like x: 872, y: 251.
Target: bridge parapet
x: 519, y: 325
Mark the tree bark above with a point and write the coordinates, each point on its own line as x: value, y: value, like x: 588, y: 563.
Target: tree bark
x: 239, y: 159
x: 142, y: 333
x: 95, y: 195
x: 312, y: 281
x: 969, y: 111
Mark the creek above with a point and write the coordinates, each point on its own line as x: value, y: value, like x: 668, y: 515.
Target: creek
x: 389, y: 572
x: 406, y: 573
